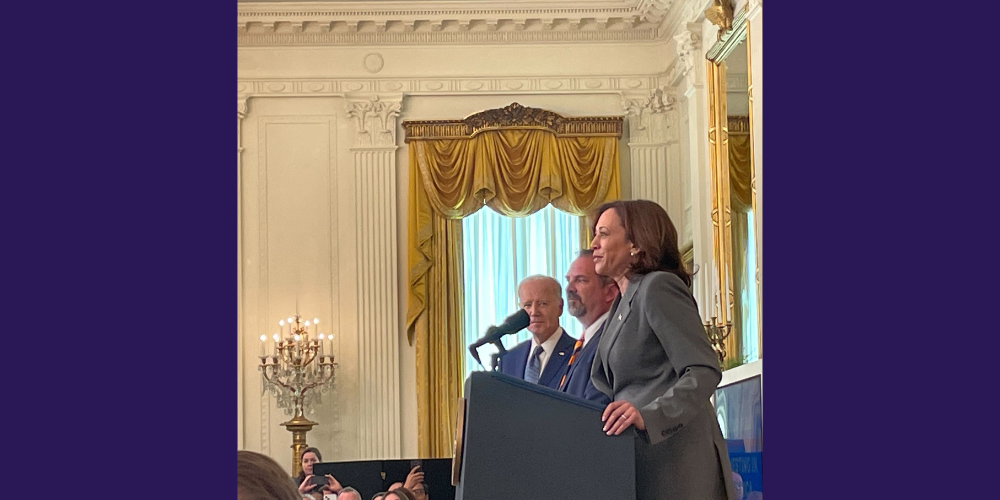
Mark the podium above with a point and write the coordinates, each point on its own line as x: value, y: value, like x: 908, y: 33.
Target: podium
x: 519, y: 440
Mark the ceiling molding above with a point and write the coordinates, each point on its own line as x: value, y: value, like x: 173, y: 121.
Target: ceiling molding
x: 392, y: 23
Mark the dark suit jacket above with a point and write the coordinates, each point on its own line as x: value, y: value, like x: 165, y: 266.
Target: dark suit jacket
x: 578, y: 381
x: 516, y: 359
x: 654, y: 354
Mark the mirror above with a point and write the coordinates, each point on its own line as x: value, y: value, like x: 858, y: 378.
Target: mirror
x: 734, y: 199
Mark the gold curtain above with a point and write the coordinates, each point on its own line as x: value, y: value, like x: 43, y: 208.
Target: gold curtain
x: 515, y: 171
x: 740, y: 203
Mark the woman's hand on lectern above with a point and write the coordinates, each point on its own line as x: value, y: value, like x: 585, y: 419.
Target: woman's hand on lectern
x: 618, y: 415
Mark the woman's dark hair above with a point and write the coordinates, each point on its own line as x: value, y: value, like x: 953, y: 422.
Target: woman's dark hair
x: 259, y: 477
x: 302, y: 474
x: 650, y: 229
x: 319, y: 456
x: 402, y: 493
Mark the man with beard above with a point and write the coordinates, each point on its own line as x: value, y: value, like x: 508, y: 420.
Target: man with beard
x: 588, y: 297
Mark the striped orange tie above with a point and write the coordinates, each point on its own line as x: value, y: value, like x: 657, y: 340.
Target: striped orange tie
x: 572, y: 358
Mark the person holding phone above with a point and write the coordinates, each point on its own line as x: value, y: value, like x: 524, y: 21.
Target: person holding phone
x: 414, y: 482
x: 312, y: 485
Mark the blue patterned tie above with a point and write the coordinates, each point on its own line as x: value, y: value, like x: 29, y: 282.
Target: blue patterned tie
x: 534, y: 366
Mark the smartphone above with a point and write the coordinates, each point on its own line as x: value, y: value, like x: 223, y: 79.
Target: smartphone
x: 319, y: 481
x: 416, y: 463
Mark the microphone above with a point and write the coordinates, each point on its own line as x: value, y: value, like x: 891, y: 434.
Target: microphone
x: 513, y: 324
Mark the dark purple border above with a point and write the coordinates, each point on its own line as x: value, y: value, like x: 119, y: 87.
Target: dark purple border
x: 119, y: 207
x: 812, y: 255
x: 852, y: 240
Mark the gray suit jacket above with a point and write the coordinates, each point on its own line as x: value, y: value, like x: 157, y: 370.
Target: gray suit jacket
x: 654, y: 354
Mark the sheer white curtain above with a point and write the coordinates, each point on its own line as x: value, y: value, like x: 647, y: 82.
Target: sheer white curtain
x: 748, y: 296
x: 499, y: 252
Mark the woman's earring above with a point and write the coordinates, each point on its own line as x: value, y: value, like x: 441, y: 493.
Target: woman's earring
x: 632, y: 254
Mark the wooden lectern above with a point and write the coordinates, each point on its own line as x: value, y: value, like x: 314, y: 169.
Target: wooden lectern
x: 516, y: 440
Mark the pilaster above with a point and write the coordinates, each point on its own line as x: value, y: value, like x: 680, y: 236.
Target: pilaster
x: 654, y: 150
x: 374, y: 147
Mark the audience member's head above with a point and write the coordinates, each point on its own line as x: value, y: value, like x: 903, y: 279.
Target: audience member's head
x: 588, y: 295
x: 399, y: 494
x: 738, y: 485
x: 309, y: 457
x: 421, y: 492
x: 379, y: 496
x: 349, y: 493
x: 259, y: 477
x: 541, y: 297
x: 396, y: 485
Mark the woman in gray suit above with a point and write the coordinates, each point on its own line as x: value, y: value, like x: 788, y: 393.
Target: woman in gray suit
x: 654, y: 359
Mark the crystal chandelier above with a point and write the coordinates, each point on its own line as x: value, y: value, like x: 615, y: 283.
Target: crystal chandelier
x: 299, y: 369
x: 297, y: 372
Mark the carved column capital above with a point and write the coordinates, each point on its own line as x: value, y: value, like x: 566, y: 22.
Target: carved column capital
x: 242, y: 107
x: 648, y: 116
x: 374, y: 120
x: 688, y: 47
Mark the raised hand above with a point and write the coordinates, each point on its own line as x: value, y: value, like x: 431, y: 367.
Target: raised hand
x: 306, y: 486
x: 415, y: 477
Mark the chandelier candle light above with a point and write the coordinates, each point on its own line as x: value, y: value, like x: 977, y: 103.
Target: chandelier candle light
x: 297, y: 369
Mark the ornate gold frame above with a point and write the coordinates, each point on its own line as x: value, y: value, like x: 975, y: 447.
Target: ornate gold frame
x: 732, y: 31
x: 514, y: 115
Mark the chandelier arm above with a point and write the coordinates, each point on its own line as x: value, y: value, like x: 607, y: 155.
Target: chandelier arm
x: 277, y: 381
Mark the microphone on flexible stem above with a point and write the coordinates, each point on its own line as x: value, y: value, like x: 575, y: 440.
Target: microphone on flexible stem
x: 513, y: 324
x: 474, y: 347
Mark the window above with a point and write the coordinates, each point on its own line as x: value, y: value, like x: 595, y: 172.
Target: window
x: 748, y: 297
x: 499, y: 252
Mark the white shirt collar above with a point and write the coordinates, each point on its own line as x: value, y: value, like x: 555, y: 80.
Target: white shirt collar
x: 596, y: 325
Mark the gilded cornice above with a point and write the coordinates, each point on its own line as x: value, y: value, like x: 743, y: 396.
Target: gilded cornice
x: 514, y: 116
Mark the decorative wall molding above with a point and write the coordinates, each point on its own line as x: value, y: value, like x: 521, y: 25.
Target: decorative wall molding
x: 681, y: 13
x: 647, y: 116
x: 267, y: 35
x: 335, y: 23
x: 241, y: 108
x: 374, y: 120
x: 688, y: 47
x: 343, y: 87
x: 654, y: 10
x: 373, y: 62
